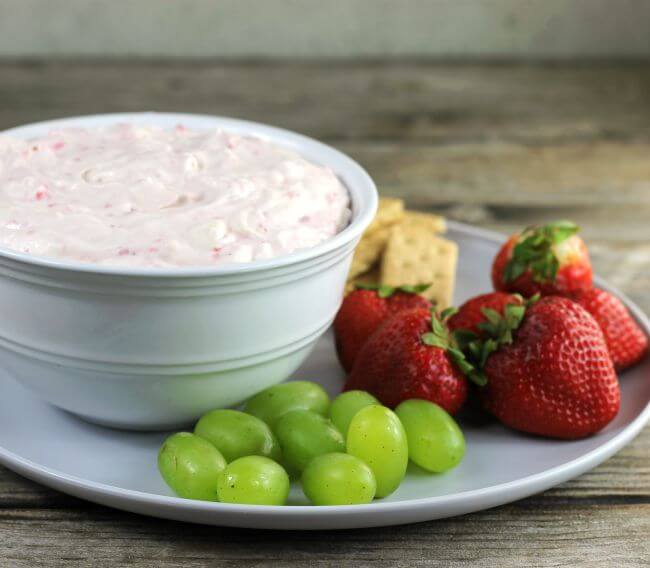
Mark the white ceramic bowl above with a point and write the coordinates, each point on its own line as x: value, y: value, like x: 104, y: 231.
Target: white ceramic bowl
x: 151, y: 348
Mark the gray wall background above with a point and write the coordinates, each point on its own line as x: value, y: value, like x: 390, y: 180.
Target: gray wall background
x: 325, y: 28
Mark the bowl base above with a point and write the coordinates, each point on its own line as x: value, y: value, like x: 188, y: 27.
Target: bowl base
x: 128, y: 426
x: 143, y: 402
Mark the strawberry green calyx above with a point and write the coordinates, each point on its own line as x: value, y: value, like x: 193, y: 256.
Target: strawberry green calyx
x: 385, y: 291
x: 497, y: 331
x: 499, y: 327
x: 534, y: 251
x: 440, y: 337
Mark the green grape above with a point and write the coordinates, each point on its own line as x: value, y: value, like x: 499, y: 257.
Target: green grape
x: 190, y: 466
x: 338, y: 479
x: 376, y: 436
x: 272, y: 403
x: 303, y: 435
x: 436, y: 443
x: 253, y: 480
x: 346, y: 405
x: 237, y: 434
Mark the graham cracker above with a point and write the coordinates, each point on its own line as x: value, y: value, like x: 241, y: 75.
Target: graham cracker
x: 368, y: 251
x: 389, y: 211
x: 427, y: 221
x: 370, y: 277
x: 414, y: 255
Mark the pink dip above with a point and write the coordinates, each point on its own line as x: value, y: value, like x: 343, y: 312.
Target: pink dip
x: 142, y: 196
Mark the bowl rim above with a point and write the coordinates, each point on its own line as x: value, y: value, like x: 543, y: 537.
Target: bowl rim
x: 364, y: 205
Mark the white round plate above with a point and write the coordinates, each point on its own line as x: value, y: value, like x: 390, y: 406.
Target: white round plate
x: 118, y: 468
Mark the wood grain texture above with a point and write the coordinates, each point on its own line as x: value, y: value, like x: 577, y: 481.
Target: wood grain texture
x: 405, y: 101
x: 499, y: 146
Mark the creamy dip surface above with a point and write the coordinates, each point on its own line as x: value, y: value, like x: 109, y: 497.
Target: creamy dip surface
x: 130, y: 195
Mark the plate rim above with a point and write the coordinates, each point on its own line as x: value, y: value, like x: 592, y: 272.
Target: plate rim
x: 246, y: 515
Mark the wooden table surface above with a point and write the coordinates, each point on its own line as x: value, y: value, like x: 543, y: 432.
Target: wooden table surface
x: 495, y: 145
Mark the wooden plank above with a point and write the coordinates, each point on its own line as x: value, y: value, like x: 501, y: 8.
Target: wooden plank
x: 407, y: 101
x: 529, y: 533
x: 593, y: 174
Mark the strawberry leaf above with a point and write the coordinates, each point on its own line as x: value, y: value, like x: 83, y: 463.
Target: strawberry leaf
x: 562, y: 230
x: 475, y: 350
x: 514, y: 269
x: 438, y: 327
x: 434, y: 340
x: 534, y: 251
x: 514, y: 315
x: 440, y: 337
x: 414, y: 288
x: 439, y: 334
x: 491, y: 315
x: 463, y: 337
x: 466, y: 367
x: 497, y: 331
x: 446, y: 314
x: 386, y: 291
x: 532, y: 300
x: 367, y: 286
x: 489, y: 346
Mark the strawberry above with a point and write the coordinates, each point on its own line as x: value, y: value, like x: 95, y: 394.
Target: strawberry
x: 548, y: 260
x: 626, y: 341
x: 470, y: 314
x: 365, y: 309
x: 546, y: 368
x: 411, y: 356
